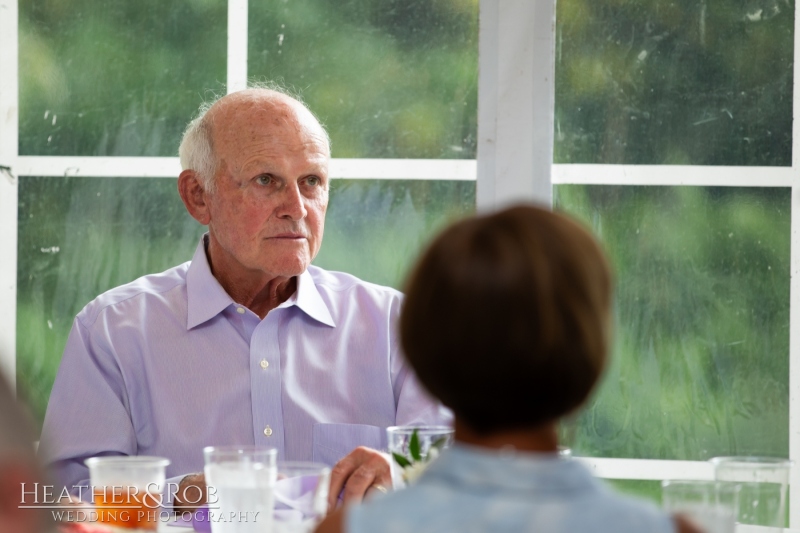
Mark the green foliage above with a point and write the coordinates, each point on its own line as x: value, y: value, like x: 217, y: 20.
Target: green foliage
x: 413, y: 446
x: 389, y: 79
x: 402, y: 461
x: 115, y: 77
x: 395, y: 79
x: 674, y: 82
x: 701, y: 358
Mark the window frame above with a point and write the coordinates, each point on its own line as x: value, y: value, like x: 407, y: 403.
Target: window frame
x: 515, y: 121
x: 514, y: 82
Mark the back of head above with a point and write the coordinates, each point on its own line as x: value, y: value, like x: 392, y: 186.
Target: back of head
x: 506, y: 318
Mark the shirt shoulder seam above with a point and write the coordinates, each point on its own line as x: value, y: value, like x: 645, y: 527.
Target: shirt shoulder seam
x: 140, y: 292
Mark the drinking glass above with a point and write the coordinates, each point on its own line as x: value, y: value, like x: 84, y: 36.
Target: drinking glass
x: 763, y: 485
x: 413, y: 447
x: 301, y: 496
x: 240, y: 480
x: 127, y: 490
x: 711, y: 505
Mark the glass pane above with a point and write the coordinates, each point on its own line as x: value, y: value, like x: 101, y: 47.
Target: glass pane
x: 701, y: 359
x: 646, y: 489
x: 390, y: 79
x: 375, y: 228
x: 115, y: 77
x: 79, y: 237
x: 674, y: 82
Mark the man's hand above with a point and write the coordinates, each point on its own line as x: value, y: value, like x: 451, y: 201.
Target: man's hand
x: 362, y: 470
x: 192, y: 493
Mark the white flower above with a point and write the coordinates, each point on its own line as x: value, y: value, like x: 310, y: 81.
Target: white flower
x: 412, y: 472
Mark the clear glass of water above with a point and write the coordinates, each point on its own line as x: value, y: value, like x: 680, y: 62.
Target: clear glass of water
x: 763, y: 485
x: 711, y: 505
x: 241, y: 481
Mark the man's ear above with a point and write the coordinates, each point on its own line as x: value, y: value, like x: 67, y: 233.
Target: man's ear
x: 194, y: 196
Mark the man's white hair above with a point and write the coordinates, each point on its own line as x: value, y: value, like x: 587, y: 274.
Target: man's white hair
x: 197, y: 148
x: 197, y: 145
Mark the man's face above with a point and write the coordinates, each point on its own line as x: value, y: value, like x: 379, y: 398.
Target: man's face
x: 267, y: 213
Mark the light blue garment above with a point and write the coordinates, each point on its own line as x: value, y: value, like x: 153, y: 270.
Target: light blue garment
x: 471, y: 489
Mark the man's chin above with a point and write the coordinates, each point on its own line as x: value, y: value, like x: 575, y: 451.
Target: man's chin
x: 289, y: 269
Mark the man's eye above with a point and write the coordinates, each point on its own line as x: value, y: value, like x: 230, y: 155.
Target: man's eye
x: 313, y: 181
x: 264, y: 179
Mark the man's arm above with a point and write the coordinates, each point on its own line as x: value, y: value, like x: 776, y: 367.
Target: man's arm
x: 87, y: 413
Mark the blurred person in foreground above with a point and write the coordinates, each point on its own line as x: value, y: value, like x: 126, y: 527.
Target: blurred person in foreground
x: 248, y: 343
x: 18, y: 469
x: 507, y: 322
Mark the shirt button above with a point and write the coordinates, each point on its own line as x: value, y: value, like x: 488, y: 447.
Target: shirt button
x: 240, y: 310
x: 264, y: 363
x: 268, y: 431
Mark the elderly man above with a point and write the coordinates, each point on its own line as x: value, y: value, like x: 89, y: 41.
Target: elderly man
x: 248, y: 343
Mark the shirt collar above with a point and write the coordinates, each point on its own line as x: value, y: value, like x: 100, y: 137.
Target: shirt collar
x: 207, y: 298
x: 310, y: 301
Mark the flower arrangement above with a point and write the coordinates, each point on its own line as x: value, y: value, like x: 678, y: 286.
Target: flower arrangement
x: 416, y: 461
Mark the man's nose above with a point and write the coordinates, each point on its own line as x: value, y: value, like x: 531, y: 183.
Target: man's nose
x: 292, y: 203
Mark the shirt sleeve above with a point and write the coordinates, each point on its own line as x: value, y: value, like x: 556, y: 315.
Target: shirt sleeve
x: 87, y: 414
x: 415, y: 406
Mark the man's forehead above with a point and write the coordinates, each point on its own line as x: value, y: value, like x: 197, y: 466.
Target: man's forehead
x: 258, y: 106
x: 257, y: 115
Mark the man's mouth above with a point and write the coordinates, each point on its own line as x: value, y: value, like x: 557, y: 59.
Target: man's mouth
x: 288, y: 236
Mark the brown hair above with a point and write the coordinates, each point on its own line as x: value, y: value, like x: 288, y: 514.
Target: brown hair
x: 506, y: 318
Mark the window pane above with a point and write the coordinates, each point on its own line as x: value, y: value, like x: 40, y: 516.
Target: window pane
x: 701, y: 359
x: 376, y: 228
x: 674, y: 82
x: 79, y: 237
x: 115, y: 77
x: 390, y: 79
x: 650, y: 490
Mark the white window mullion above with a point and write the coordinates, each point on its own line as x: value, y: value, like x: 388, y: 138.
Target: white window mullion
x: 648, y: 469
x: 9, y: 143
x: 674, y: 175
x: 166, y: 167
x: 515, y: 102
x: 237, y: 45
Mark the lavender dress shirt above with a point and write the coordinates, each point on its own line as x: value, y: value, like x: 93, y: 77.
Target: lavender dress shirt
x: 169, y: 363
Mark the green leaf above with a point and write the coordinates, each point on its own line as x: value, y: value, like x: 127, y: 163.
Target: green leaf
x: 414, y: 448
x: 402, y: 461
x: 439, y: 443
